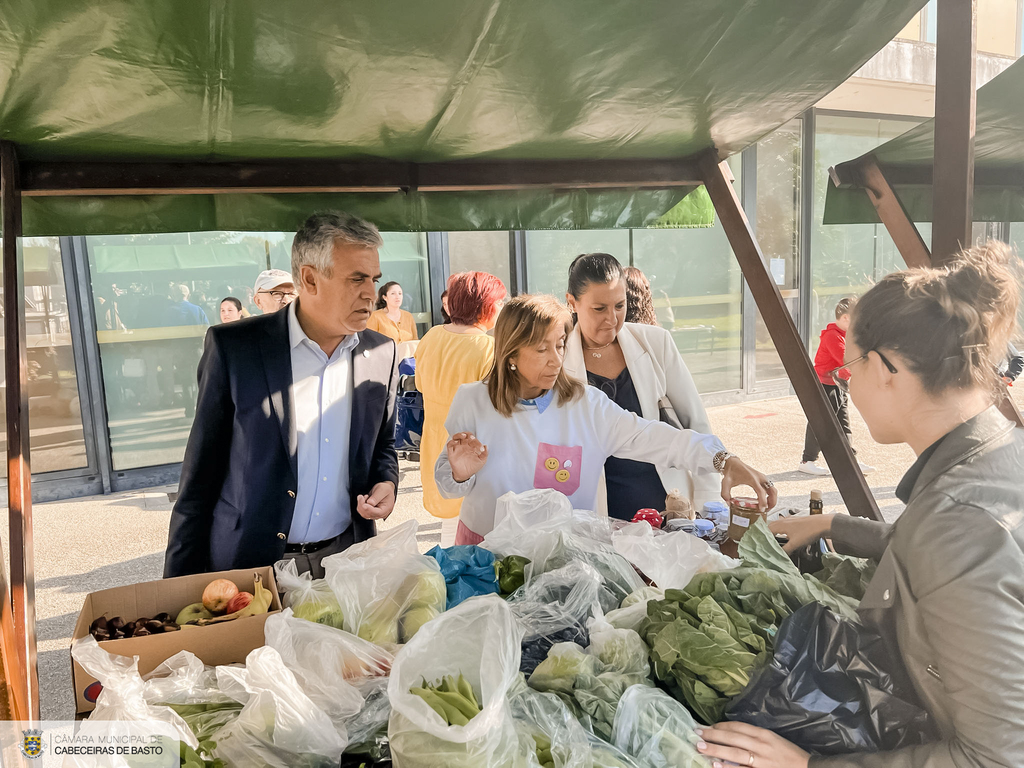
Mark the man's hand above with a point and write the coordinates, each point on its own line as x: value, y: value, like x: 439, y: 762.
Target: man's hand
x: 379, y: 504
x: 466, y: 456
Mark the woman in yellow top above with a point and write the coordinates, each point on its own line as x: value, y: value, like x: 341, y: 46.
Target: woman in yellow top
x: 390, y: 319
x: 449, y: 356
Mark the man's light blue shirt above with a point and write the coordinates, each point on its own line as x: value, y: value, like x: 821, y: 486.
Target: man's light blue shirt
x: 322, y: 414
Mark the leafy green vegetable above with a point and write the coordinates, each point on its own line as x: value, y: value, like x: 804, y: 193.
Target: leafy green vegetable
x: 511, y: 573
x: 846, y: 575
x: 657, y: 730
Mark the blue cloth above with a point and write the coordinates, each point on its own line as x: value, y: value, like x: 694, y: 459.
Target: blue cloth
x: 186, y: 313
x: 468, y: 571
x: 407, y: 367
x: 541, y: 403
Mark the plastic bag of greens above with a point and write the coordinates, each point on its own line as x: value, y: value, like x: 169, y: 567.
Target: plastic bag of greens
x: 122, y: 706
x: 189, y: 687
x: 310, y: 599
x: 669, y: 559
x: 560, y: 740
x: 833, y: 688
x: 554, y: 608
x: 467, y: 570
x: 332, y: 666
x: 622, y: 650
x: 633, y: 611
x: 279, y: 725
x: 657, y: 730
x: 479, y: 640
x: 386, y: 589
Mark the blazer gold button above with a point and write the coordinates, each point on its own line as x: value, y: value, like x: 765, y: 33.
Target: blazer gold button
x: 292, y: 494
x: 281, y: 536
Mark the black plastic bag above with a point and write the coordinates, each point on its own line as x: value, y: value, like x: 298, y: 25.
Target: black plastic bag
x: 832, y: 688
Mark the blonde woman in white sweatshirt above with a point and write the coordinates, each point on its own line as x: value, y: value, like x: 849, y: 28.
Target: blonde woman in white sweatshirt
x: 531, y: 426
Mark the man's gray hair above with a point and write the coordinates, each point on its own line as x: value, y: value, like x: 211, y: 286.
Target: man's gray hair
x: 314, y: 242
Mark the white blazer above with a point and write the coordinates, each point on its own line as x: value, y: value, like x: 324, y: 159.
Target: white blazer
x: 658, y: 371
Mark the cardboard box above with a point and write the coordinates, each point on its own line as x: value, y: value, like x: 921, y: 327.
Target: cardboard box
x: 225, y: 643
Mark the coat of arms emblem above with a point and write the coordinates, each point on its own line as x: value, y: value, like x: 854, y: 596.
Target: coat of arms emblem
x: 32, y: 743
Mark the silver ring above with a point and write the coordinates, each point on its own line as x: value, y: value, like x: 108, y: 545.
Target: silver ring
x: 768, y: 484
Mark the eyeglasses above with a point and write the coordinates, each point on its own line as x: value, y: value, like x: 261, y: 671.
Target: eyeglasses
x: 844, y: 383
x: 279, y: 295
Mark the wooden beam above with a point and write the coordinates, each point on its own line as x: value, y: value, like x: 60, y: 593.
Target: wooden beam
x: 45, y: 179
x: 955, y: 104
x: 830, y: 436
x: 19, y: 473
x: 893, y: 215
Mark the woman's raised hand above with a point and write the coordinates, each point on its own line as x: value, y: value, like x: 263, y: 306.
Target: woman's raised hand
x: 737, y: 473
x: 466, y: 456
x: 802, y: 530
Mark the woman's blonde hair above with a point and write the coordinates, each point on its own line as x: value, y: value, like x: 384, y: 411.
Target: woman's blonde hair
x: 952, y: 324
x: 524, y: 322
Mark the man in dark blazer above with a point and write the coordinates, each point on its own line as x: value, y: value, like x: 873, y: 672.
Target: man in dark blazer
x: 292, y: 452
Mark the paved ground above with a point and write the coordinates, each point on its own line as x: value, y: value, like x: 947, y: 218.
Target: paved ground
x: 105, y: 541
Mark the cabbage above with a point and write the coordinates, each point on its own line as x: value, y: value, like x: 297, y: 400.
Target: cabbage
x: 321, y: 612
x: 414, y: 619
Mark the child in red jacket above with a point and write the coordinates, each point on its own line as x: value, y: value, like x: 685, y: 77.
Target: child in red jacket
x: 829, y: 357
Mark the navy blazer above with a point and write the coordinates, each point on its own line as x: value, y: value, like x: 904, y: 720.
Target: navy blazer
x: 238, y: 482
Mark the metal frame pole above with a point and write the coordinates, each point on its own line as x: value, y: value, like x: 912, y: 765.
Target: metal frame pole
x: 19, y: 472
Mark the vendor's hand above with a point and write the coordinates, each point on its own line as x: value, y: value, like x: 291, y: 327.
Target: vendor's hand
x: 379, y: 504
x: 802, y: 529
x: 737, y: 473
x: 466, y: 456
x: 740, y: 744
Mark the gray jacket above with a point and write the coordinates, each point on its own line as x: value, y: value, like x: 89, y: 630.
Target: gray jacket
x: 951, y: 580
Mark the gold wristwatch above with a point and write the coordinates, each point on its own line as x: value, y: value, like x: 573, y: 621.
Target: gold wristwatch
x: 719, y: 461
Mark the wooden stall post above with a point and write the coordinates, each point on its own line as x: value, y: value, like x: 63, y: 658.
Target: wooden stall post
x: 19, y: 473
x: 830, y: 436
x: 955, y: 104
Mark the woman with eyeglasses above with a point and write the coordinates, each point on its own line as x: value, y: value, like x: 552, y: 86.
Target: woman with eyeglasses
x: 389, y: 317
x: 530, y: 425
x: 922, y: 360
x: 639, y: 368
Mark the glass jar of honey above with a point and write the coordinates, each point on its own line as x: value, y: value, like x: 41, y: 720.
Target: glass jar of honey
x: 743, y: 513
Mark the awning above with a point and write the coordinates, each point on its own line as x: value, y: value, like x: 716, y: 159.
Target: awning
x: 907, y: 161
x: 414, y: 82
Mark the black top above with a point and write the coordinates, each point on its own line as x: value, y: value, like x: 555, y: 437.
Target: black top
x: 632, y: 485
x: 906, y: 486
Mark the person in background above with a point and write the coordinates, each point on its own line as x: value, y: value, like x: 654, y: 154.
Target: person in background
x: 292, y: 451
x: 948, y: 594
x: 1013, y: 367
x: 640, y: 369
x: 447, y: 357
x: 390, y: 319
x: 444, y: 306
x: 539, y: 421
x: 181, y: 311
x: 830, y: 356
x: 274, y: 289
x: 639, y: 302
x: 230, y: 309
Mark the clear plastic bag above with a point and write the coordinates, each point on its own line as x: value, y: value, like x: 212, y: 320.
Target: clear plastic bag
x: 622, y: 650
x: 330, y: 664
x: 310, y: 599
x: 633, y: 611
x: 544, y: 719
x: 657, y: 730
x: 121, y: 702
x: 478, y: 639
x: 554, y: 608
x: 386, y: 589
x: 279, y: 725
x: 669, y: 559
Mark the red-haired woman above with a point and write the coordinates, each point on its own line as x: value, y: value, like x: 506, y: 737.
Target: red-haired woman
x: 447, y: 357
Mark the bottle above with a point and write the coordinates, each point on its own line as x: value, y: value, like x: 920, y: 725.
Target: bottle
x: 817, y: 505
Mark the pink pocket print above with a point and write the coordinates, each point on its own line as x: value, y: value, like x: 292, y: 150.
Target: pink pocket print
x: 558, y: 467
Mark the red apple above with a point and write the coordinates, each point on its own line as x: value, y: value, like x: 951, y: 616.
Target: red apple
x: 238, y: 602
x: 218, y: 594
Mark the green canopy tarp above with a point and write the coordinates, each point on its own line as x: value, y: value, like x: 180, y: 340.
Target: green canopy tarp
x: 413, y: 81
x: 907, y: 162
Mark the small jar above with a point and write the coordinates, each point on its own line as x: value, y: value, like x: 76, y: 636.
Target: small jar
x: 717, y: 511
x: 743, y: 513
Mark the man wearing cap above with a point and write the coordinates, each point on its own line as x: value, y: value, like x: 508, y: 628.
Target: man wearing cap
x: 292, y: 453
x: 274, y: 289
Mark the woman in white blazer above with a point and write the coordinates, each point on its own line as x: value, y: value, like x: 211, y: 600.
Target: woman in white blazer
x: 641, y: 370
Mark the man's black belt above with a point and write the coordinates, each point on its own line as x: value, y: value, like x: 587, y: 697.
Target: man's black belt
x: 311, y: 546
